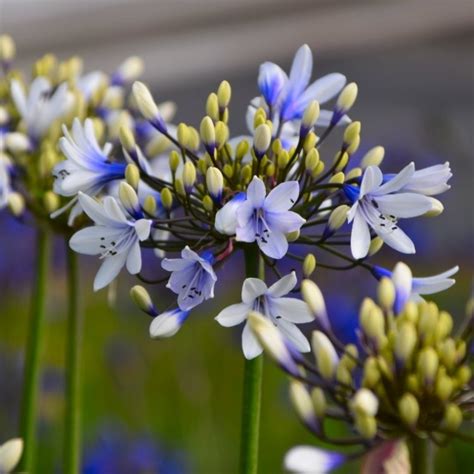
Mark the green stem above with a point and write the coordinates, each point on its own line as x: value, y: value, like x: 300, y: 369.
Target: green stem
x: 422, y: 456
x: 251, y: 401
x: 72, y: 446
x: 34, y: 347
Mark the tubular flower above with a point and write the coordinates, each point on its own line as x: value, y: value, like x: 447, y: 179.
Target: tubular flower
x: 409, y: 377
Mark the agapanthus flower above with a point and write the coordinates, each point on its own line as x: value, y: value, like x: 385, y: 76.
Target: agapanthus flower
x: 115, y: 237
x: 167, y: 324
x: 42, y: 105
x: 283, y: 311
x: 312, y: 460
x: 5, y: 179
x: 266, y: 219
x: 378, y: 207
x: 192, y: 277
x: 290, y: 95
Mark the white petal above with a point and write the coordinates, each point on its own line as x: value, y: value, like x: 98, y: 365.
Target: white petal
x: 109, y: 269
x: 301, y: 69
x: 440, y: 276
x: 325, y: 117
x: 250, y: 346
x: 360, y: 236
x: 271, y: 81
x: 284, y: 222
x: 282, y: 197
x: 134, y: 259
x: 256, y: 192
x: 167, y: 324
x: 311, y: 460
x: 398, y: 181
x: 233, y: 314
x: 252, y: 288
x: 113, y: 210
x: 283, y: 286
x: 142, y: 228
x: 275, y: 245
x: 226, y: 218
x: 323, y: 89
x: 95, y: 210
x: 291, y: 309
x: 404, y: 205
x: 397, y: 239
x: 89, y: 241
x: 294, y: 335
x: 371, y: 180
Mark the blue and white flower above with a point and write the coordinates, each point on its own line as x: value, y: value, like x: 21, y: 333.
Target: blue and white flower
x: 312, y: 460
x: 266, y: 219
x: 290, y: 96
x: 42, y: 106
x: 167, y: 324
x: 192, y: 277
x: 378, y: 206
x: 115, y: 237
x: 408, y: 287
x: 226, y: 222
x: 5, y: 179
x: 284, y: 312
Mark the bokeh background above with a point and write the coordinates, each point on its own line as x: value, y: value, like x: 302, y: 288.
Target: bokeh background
x: 173, y: 406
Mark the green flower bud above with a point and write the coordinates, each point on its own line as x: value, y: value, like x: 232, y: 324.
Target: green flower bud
x: 337, y: 178
x: 212, y: 106
x: 7, y: 48
x: 208, y: 203
x: 182, y: 134
x: 189, y: 175
x: 428, y: 365
x: 354, y: 173
x: 371, y: 372
x: 261, y: 139
x: 246, y: 174
x: 149, y: 205
x: 375, y: 245
x: 366, y: 426
x: 283, y: 159
x: 144, y: 101
x: 222, y: 134
x: 128, y: 196
x: 319, y: 402
x: 452, y: 418
x: 444, y: 387
x: 174, y: 160
x: 224, y: 93
x: 179, y: 186
x: 341, y: 160
x: 319, y: 168
x: 132, y: 175
x: 166, y: 198
x: 409, y: 409
x: 142, y: 299
x: 463, y: 375
x: 310, y: 142
x: 309, y: 265
x: 447, y: 352
x: 126, y: 138
x: 405, y: 342
x: 351, y: 132
x: 242, y: 149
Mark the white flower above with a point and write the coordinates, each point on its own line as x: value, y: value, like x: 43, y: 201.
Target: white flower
x: 167, y: 324
x: 378, y: 206
x: 42, y: 106
x: 311, y: 460
x: 10, y: 454
x: 5, y: 181
x: 284, y: 312
x: 192, y: 277
x: 115, y: 237
x: 429, y: 181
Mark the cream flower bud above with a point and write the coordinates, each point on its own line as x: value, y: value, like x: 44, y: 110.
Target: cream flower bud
x: 214, y: 182
x: 10, y: 454
x: 337, y: 217
x: 325, y: 354
x: 166, y: 198
x: 409, y: 409
x: 51, y: 201
x: 128, y: 197
x: 347, y: 97
x: 436, y: 208
x: 147, y: 105
x: 189, y: 175
x: 224, y: 93
x: 337, y: 178
x: 452, y: 417
x: 310, y: 116
x: 212, y: 106
x: 351, y: 132
x: 142, y: 299
x: 375, y: 245
x: 17, y: 142
x: 261, y: 139
x: 149, y: 205
x: 319, y: 401
x: 272, y: 342
x: 208, y: 132
x: 301, y: 400
x: 366, y: 426
x: 126, y: 138
x: 132, y: 175
x: 386, y: 293
x: 354, y: 173
x: 182, y: 134
x: 314, y: 299
x: 309, y: 265
x: 364, y: 401
x: 428, y: 365
x: 16, y: 204
x: 131, y: 69
x: 405, y: 341
x: 7, y: 49
x: 373, y: 157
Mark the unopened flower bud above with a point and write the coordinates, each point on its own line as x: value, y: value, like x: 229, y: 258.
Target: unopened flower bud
x: 174, y: 160
x: 168, y: 323
x: 347, y: 97
x: 208, y: 203
x: 325, y: 354
x: 319, y: 402
x: 193, y: 138
x: 428, y: 365
x: 373, y: 157
x: 242, y: 149
x: 444, y: 387
x: 373, y: 323
x: 409, y: 409
x: 338, y: 217
x: 292, y: 236
x: 142, y: 299
x: 366, y: 426
x: 353, y: 146
x: 351, y: 132
x: 405, y: 341
x: 463, y: 375
x: 182, y: 134
x: 310, y: 116
x: 208, y: 133
x: 371, y: 372
x: 310, y: 142
x: 212, y: 106
x: 129, y: 198
x: 353, y: 173
x: 222, y: 134
x: 314, y: 299
x: 7, y: 49
x: 283, y: 159
x: 189, y: 175
x: 318, y: 169
x: 444, y: 326
x: 303, y: 404
x: 126, y: 138
x: 246, y: 174
x: 149, y: 205
x: 337, y: 178
x: 452, y: 418
x: 10, y: 453
x: 147, y: 106
x: 340, y: 160
x: 261, y: 139
x: 311, y: 160
x: 375, y: 245
x: 436, y: 208
x: 214, y: 182
x: 17, y: 142
x: 132, y: 175
x: 129, y: 70
x: 309, y: 265
x: 364, y: 402
x: 51, y: 201
x: 16, y: 204
x: 224, y: 93
x: 166, y: 198
x: 386, y: 293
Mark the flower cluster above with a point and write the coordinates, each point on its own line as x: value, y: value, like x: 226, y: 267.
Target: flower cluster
x: 60, y: 99
x: 408, y: 377
x: 214, y: 194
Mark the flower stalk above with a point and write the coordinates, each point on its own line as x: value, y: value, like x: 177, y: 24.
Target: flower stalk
x: 252, y: 387
x: 72, y: 446
x: 422, y: 456
x: 34, y: 347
